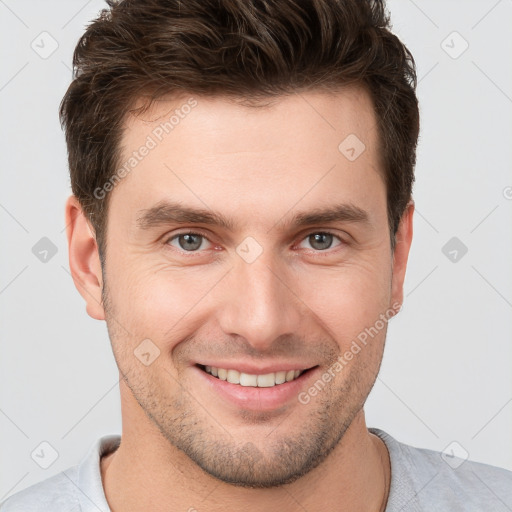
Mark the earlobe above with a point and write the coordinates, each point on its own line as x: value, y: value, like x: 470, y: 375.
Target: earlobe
x: 84, y: 261
x: 401, y: 253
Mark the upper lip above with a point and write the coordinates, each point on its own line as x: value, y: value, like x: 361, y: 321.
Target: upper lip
x: 252, y: 369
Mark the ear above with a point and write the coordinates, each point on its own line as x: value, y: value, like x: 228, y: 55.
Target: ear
x: 84, y: 260
x: 401, y: 254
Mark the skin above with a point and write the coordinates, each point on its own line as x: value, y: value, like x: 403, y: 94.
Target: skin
x: 184, y: 446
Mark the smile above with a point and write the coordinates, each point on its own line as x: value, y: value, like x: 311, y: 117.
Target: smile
x: 266, y: 380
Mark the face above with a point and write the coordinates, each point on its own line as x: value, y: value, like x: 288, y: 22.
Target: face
x: 245, y: 244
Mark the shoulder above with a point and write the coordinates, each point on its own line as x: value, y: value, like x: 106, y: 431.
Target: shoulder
x: 77, y: 489
x: 57, y: 493
x: 428, y: 480
x: 455, y: 477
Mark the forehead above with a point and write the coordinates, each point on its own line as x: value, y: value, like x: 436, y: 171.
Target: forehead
x: 302, y: 148
x: 219, y: 119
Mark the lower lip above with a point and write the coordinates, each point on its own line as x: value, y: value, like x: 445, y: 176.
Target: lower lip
x: 257, y: 399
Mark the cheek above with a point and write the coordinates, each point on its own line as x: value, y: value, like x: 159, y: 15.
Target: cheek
x: 347, y: 300
x: 157, y: 302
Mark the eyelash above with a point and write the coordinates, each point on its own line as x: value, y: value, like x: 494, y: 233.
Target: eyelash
x: 319, y: 253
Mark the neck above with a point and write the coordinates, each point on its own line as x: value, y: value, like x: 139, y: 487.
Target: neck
x: 146, y: 472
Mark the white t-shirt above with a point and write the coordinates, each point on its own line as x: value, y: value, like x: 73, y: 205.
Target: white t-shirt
x: 421, y: 480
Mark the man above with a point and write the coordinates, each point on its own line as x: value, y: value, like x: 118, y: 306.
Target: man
x: 241, y: 218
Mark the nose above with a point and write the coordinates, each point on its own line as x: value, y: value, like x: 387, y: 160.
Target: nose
x: 258, y: 302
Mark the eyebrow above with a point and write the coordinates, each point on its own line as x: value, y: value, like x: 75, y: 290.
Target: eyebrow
x: 167, y: 212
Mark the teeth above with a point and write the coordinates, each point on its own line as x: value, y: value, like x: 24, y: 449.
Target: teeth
x: 233, y: 377
x: 248, y: 380
x: 267, y: 380
x: 280, y: 377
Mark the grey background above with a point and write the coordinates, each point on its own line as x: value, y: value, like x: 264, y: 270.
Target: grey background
x: 446, y: 374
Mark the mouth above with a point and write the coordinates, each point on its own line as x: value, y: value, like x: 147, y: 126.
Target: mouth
x: 255, y: 389
x: 266, y: 380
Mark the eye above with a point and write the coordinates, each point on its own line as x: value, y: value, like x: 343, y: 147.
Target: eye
x: 192, y: 242
x: 188, y: 242
x: 321, y: 240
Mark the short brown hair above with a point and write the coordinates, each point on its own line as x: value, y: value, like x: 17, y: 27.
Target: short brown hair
x: 245, y: 49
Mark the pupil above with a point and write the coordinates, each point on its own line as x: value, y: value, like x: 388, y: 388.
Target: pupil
x: 190, y: 241
x: 320, y: 238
